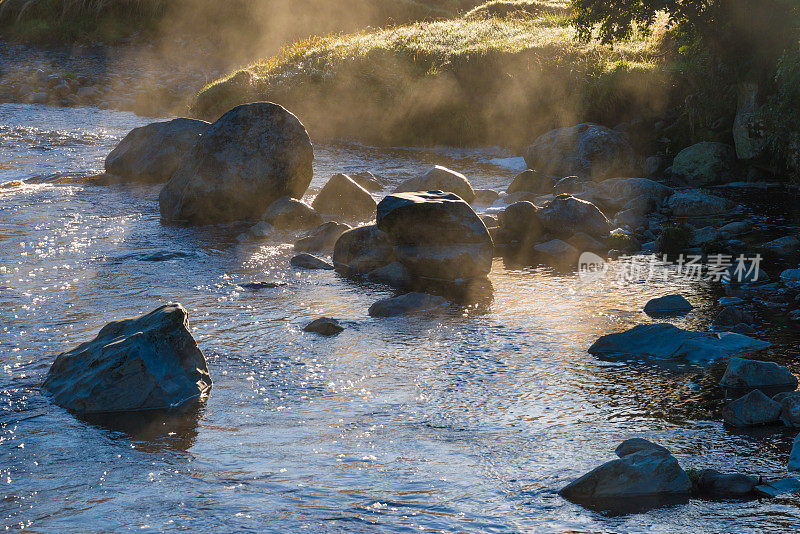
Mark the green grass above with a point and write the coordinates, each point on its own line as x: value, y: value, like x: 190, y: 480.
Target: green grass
x: 485, y: 77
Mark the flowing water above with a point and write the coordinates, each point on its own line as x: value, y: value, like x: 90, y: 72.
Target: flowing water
x: 466, y: 421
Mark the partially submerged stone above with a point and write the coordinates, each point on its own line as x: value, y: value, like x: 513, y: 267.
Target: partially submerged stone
x: 321, y: 238
x: 309, y: 261
x: 325, y: 326
x: 751, y: 374
x: 632, y: 445
x: 439, y: 179
x: 668, y: 305
x: 565, y: 215
x: 695, y: 203
x: 406, y: 304
x: 395, y: 274
x: 143, y: 363
x: 790, y: 407
x: 557, y: 252
x: 776, y: 488
x: 794, y: 455
x: 752, y: 409
x: 668, y: 342
x: 361, y: 250
x: 712, y: 482
x: 291, y: 214
x: 521, y: 223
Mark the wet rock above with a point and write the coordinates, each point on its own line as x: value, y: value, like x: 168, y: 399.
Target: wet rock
x: 530, y: 181
x: 309, y: 261
x: 439, y: 179
x: 249, y: 158
x: 752, y: 409
x: 257, y: 231
x: 668, y: 305
x: 743, y: 373
x: 153, y: 152
x: 325, y: 326
x: 747, y: 272
x: 776, y: 488
x: 704, y: 235
x: 436, y: 235
x: 395, y: 274
x: 790, y: 407
x: 368, y: 181
x: 486, y: 197
x: 557, y: 252
x: 794, y: 455
x: 290, y: 215
x: 143, y: 363
x: 586, y: 243
x: 695, y: 203
x: 619, y: 192
x: 791, y: 277
x: 733, y: 315
x: 521, y: 222
x: 705, y: 164
x: 783, y: 246
x: 565, y: 215
x: 361, y: 250
x: 633, y: 445
x: 342, y: 197
x: 745, y: 329
x: 406, y: 304
x: 712, y: 482
x: 257, y: 286
x: 668, y: 342
x: 735, y: 228
x: 644, y: 473
x: 322, y: 238
x: 586, y: 150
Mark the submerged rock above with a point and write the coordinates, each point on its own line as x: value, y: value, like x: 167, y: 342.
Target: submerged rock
x: 668, y: 342
x: 439, y: 179
x: 716, y: 484
x: 405, y: 304
x: 153, y: 152
x: 668, y: 305
x: 647, y: 472
x: 586, y: 150
x: 309, y: 261
x: 322, y: 238
x: 325, y: 326
x: 143, y: 363
x: 343, y: 197
x: 743, y: 373
x: 361, y: 250
x: 290, y: 214
x: 436, y: 235
x: 705, y: 163
x: 250, y: 157
x: 752, y: 409
x: 565, y: 215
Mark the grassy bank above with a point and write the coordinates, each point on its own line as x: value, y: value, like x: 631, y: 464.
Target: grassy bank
x: 503, y: 73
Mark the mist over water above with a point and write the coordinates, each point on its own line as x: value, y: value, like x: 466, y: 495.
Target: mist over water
x: 467, y: 421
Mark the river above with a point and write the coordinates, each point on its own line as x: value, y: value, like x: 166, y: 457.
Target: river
x: 468, y: 421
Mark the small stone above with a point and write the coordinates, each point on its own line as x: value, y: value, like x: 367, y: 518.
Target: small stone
x: 668, y: 305
x: 630, y: 446
x: 405, y: 304
x: 325, y: 326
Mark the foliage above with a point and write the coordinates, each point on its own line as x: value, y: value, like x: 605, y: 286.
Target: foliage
x: 781, y: 116
x: 674, y: 239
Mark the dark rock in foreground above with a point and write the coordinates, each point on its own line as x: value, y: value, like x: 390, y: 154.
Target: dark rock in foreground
x: 751, y: 374
x: 668, y: 342
x: 641, y: 472
x: 250, y: 157
x: 753, y: 409
x: 144, y: 363
x: 153, y: 152
x: 565, y: 215
x: 404, y: 304
x: 436, y: 235
x: 325, y: 326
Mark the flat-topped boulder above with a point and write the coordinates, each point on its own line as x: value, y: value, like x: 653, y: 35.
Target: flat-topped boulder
x: 152, y: 153
x: 586, y: 150
x: 250, y: 157
x: 667, y: 342
x: 343, y: 197
x: 150, y: 362
x: 436, y: 235
x: 439, y: 179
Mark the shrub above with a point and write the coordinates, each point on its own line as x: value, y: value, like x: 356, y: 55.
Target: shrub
x: 674, y: 239
x: 781, y: 116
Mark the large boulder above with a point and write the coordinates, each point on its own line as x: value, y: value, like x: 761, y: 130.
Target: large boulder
x: 153, y: 152
x: 751, y: 374
x: 586, y: 150
x: 436, y: 235
x: 290, y: 214
x: 667, y: 342
x: 752, y: 409
x: 705, y: 163
x: 343, y: 197
x: 648, y: 472
x: 439, y: 179
x: 144, y: 363
x: 321, y: 238
x: 694, y: 203
x: 250, y: 157
x: 565, y: 215
x: 361, y: 250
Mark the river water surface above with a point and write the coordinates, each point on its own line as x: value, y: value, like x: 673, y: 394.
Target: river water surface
x: 467, y: 421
